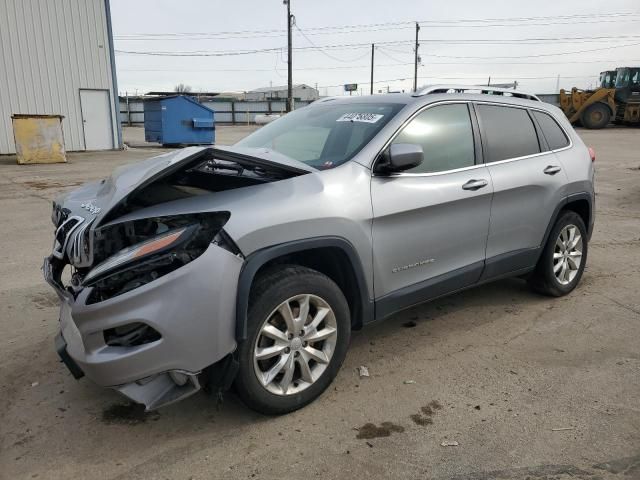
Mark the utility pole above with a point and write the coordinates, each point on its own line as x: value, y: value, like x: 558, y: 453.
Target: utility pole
x: 373, y: 47
x: 289, y: 57
x: 415, y: 61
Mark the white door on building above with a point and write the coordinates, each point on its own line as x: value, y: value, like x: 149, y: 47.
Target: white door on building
x: 96, y: 119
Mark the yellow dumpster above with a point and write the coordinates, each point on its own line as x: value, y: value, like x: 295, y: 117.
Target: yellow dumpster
x: 39, y: 138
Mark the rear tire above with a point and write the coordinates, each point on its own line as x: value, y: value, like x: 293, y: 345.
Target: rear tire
x: 564, y: 257
x: 289, y: 358
x: 596, y: 116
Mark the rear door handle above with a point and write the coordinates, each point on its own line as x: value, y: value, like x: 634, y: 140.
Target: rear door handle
x: 552, y: 170
x: 475, y: 184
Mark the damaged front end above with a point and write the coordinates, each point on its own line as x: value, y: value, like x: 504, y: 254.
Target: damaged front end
x: 129, y: 255
x: 148, y: 299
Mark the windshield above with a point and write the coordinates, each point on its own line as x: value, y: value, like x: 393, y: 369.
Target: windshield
x: 622, y: 80
x: 607, y: 79
x: 323, y: 136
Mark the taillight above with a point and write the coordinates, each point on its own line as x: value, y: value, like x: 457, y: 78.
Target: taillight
x: 592, y: 154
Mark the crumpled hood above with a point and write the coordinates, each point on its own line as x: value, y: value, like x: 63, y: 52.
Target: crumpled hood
x: 95, y: 200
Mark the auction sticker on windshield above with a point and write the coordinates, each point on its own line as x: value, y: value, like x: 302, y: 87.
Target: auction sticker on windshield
x: 360, y: 117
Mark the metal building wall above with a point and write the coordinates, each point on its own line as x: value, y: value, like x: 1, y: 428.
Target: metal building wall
x: 49, y: 50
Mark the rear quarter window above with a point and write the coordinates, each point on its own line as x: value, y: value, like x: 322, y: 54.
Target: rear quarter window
x: 553, y: 134
x: 508, y: 132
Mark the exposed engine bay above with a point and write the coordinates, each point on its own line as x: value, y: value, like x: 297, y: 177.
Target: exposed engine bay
x: 208, y: 171
x: 116, y: 257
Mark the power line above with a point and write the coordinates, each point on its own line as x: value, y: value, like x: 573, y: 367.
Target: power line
x: 536, y: 63
x: 199, y: 53
x: 222, y: 53
x: 456, y: 40
x: 214, y: 53
x: 345, y: 67
x: 278, y: 34
x: 350, y: 28
x: 522, y: 19
x: 384, y: 52
x: 532, y: 39
x: 319, y: 49
x: 541, y: 54
x: 350, y: 67
x: 466, y: 78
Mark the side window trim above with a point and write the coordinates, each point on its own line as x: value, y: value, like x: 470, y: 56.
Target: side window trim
x: 542, y: 141
x: 474, y: 130
x: 483, y: 135
x: 564, y: 132
x: 477, y: 137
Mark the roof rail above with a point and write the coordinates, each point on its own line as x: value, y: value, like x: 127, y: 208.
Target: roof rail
x: 483, y: 89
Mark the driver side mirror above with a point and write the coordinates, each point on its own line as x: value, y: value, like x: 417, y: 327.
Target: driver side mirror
x: 399, y: 157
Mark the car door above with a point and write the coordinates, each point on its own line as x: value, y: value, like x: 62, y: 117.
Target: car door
x: 528, y: 185
x: 430, y: 223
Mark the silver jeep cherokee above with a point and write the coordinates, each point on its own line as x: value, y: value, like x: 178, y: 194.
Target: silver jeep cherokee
x: 250, y: 265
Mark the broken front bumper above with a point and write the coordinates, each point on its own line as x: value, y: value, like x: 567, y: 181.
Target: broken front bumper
x: 193, y: 311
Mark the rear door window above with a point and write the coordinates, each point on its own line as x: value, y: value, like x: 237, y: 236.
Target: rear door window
x: 553, y: 134
x: 446, y: 137
x: 508, y: 132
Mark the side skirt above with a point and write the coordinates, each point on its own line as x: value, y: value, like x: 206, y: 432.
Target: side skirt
x: 427, y: 290
x: 511, y: 264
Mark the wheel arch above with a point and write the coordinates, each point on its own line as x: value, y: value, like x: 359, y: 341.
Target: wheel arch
x: 335, y: 257
x: 580, y: 203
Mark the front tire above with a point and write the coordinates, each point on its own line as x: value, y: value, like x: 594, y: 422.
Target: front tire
x: 596, y: 116
x: 564, y: 257
x: 298, y: 330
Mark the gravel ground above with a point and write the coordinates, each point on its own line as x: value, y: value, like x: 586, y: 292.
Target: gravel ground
x: 529, y: 387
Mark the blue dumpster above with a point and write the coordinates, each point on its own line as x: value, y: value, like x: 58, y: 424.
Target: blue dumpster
x: 178, y: 120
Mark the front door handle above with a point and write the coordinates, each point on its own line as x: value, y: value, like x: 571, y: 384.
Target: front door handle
x: 475, y: 184
x: 552, y: 169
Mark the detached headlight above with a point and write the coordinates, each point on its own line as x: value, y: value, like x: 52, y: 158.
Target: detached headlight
x: 154, y: 247
x: 140, y: 251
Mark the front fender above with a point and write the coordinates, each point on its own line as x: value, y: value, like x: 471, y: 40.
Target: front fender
x: 257, y: 259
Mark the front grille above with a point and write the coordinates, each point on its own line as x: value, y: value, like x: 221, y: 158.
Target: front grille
x: 72, y: 240
x: 79, y: 247
x: 63, y: 234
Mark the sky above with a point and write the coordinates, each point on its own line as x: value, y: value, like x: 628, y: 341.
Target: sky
x: 216, y: 46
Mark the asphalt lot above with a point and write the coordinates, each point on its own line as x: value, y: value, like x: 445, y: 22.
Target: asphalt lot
x: 530, y: 387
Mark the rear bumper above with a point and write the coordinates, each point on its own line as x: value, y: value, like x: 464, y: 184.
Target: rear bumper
x: 193, y: 310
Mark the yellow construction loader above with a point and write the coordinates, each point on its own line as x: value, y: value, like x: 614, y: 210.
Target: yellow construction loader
x: 616, y: 99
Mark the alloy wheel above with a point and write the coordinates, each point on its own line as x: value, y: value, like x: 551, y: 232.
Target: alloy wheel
x: 567, y: 254
x: 295, y: 344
